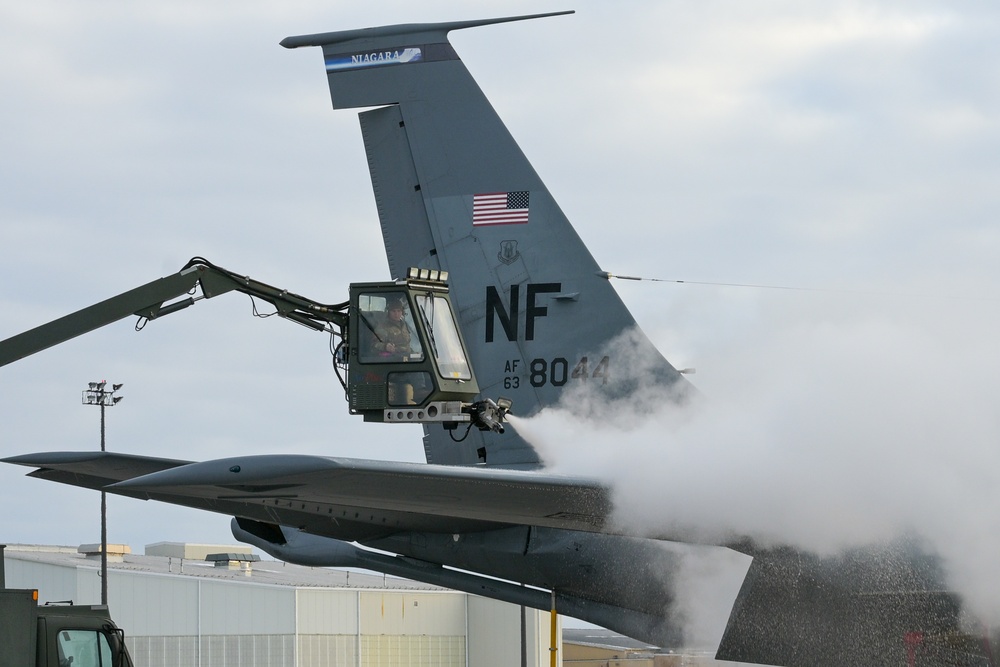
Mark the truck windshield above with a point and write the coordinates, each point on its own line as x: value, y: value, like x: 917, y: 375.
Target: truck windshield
x: 84, y: 648
x: 445, y: 342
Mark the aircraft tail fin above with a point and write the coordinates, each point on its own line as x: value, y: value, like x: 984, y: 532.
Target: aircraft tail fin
x: 455, y: 192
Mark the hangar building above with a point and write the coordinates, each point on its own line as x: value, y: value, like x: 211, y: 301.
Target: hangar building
x: 180, y: 609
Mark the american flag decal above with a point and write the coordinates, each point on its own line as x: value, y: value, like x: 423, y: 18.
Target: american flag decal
x: 500, y: 208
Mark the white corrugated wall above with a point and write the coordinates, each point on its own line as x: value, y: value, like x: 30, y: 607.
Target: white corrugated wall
x: 495, y: 634
x: 176, y: 620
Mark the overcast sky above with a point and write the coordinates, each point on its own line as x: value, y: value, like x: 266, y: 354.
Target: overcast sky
x: 847, y: 147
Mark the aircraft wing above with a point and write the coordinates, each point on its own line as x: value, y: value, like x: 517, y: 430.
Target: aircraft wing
x: 340, y: 497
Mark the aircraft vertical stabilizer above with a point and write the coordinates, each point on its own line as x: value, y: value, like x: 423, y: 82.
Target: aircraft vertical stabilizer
x: 455, y: 192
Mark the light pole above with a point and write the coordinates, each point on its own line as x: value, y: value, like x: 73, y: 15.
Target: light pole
x: 96, y: 394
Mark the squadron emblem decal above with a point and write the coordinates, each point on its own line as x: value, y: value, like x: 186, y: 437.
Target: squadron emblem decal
x: 508, y: 252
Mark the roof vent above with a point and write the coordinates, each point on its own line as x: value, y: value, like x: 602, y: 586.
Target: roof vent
x: 116, y: 552
x: 234, y: 561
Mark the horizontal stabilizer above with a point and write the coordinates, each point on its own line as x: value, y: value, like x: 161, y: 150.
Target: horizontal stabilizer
x: 401, y: 496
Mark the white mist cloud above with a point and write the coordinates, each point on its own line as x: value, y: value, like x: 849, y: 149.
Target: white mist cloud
x: 837, y: 428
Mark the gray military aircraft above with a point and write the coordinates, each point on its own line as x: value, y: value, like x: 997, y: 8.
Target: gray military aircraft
x: 455, y: 193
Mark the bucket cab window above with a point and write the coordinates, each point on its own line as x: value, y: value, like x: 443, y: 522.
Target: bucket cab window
x: 443, y: 336
x: 386, y: 330
x: 411, y: 388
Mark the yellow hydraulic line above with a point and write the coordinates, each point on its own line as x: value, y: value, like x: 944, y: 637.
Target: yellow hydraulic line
x: 553, y: 650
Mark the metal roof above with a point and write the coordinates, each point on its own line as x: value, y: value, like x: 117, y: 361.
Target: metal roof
x: 606, y: 639
x: 264, y: 572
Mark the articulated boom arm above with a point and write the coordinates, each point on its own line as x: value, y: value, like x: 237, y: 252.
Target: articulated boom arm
x: 149, y: 301
x: 215, y: 280
x: 428, y: 381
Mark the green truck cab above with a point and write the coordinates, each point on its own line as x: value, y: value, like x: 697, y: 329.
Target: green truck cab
x: 33, y: 635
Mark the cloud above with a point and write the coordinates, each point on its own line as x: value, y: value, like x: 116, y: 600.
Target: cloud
x: 815, y: 144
